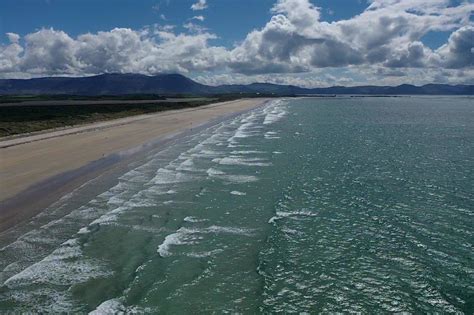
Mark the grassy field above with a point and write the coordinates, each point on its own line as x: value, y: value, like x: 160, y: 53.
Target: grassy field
x: 25, y: 119
x: 62, y: 97
x: 30, y: 113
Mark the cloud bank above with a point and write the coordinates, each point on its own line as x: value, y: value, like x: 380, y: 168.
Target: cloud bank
x: 385, y: 41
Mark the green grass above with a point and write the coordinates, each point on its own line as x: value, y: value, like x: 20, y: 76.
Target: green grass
x: 24, y: 119
x: 62, y: 97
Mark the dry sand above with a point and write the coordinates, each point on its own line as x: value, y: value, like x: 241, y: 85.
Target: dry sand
x: 27, y: 161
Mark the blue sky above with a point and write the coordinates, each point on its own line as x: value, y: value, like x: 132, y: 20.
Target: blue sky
x: 231, y: 20
x: 316, y: 42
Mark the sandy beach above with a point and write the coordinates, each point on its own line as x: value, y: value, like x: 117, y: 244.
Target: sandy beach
x: 28, y: 162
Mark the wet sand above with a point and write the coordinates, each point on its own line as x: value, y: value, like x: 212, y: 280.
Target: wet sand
x: 49, y: 164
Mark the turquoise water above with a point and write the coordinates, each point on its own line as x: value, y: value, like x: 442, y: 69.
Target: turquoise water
x: 305, y: 205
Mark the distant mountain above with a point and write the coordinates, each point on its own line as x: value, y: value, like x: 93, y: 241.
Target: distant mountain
x: 173, y: 84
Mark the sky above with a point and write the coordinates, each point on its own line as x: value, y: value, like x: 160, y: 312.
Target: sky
x: 309, y: 43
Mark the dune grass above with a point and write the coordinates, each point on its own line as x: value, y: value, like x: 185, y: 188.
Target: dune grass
x: 26, y: 119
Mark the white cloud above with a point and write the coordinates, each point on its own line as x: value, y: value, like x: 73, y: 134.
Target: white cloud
x: 388, y: 32
x: 195, y: 28
x: 13, y: 38
x: 459, y: 51
x: 382, y: 44
x: 51, y: 52
x: 10, y: 55
x: 198, y: 17
x: 301, y: 13
x: 200, y: 5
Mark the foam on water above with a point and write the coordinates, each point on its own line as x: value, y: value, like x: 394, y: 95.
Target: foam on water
x: 237, y: 193
x: 167, y: 176
x: 193, y: 219
x: 137, y: 189
x: 180, y: 237
x: 214, y: 172
x: 191, y: 236
x: 345, y: 220
x: 64, y: 267
x: 247, y: 152
x: 275, y: 113
x: 237, y: 160
x: 238, y: 179
x: 117, y: 306
x: 271, y: 135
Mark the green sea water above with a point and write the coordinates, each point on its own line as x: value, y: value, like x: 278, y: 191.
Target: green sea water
x: 303, y: 205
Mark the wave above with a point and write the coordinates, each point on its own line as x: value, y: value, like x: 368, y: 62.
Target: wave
x: 238, y: 193
x: 274, y: 113
x: 65, y: 266
x: 236, y: 160
x: 292, y: 215
x: 190, y: 236
x: 166, y: 176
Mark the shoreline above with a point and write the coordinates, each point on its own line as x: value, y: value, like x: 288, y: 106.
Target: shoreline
x: 38, y: 170
x: 18, y: 139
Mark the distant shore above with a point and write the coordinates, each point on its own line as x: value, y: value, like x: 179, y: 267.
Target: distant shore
x: 48, y: 164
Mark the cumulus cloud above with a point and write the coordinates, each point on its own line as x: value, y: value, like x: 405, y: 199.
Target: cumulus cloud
x: 195, y: 28
x: 301, y: 13
x: 385, y: 41
x: 388, y: 32
x: 52, y: 52
x: 198, y: 17
x: 10, y: 55
x: 200, y: 5
x: 13, y: 37
x: 459, y: 51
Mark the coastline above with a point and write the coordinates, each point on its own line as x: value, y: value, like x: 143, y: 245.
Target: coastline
x: 37, y: 170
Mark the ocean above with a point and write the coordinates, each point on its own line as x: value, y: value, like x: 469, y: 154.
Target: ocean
x: 309, y: 205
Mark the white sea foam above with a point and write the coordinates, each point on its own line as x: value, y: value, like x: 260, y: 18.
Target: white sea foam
x: 190, y: 236
x: 237, y: 160
x: 83, y: 230
x: 113, y: 306
x: 274, y: 113
x: 204, y: 254
x: 64, y: 266
x: 239, y: 179
x: 194, y: 219
x: 227, y: 230
x: 180, y: 237
x: 245, y: 152
x: 206, y: 153
x: 165, y: 176
x: 214, y: 172
x: 238, y: 193
x: 291, y: 214
x: 134, y: 176
x: 271, y: 135
x: 245, y: 130
x: 242, y: 131
x: 109, y: 217
x: 187, y: 165
x: 117, y: 306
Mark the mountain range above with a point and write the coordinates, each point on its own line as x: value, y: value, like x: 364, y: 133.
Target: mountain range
x: 176, y: 84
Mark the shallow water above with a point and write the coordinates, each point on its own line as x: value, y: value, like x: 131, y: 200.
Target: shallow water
x: 305, y: 205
